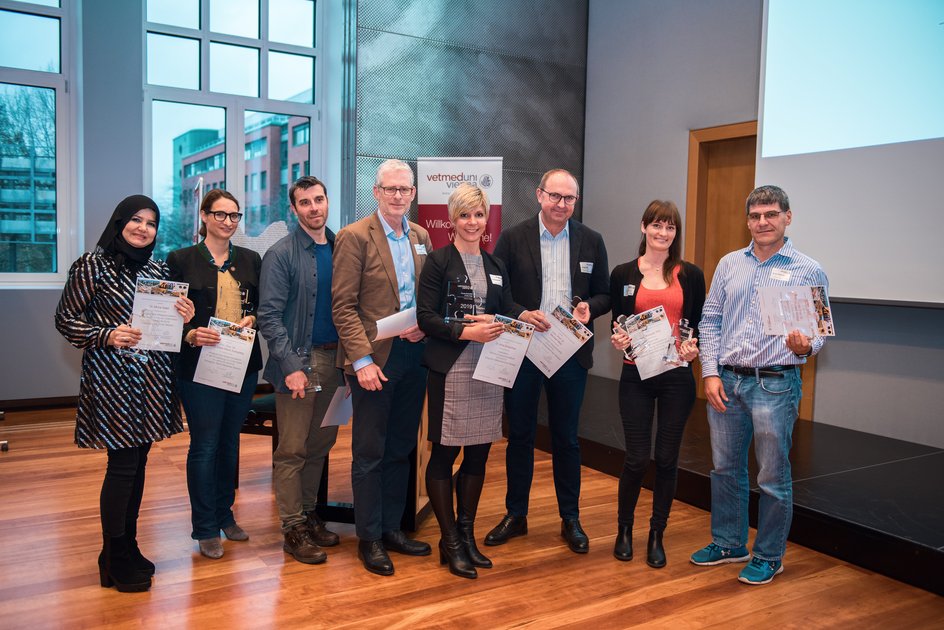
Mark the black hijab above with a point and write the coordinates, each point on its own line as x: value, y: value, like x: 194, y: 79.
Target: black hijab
x: 111, y: 241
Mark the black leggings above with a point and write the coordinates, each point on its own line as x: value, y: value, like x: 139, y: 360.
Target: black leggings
x: 442, y: 458
x: 123, y: 489
x: 675, y: 391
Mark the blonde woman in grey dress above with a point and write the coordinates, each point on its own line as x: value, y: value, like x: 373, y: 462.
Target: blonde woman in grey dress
x: 463, y: 413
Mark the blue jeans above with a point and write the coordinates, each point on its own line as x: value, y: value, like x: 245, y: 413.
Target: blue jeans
x: 564, y: 391
x: 766, y: 409
x: 214, y: 417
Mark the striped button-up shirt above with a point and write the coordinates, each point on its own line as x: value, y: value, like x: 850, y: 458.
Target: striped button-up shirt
x: 555, y: 267
x: 732, y: 331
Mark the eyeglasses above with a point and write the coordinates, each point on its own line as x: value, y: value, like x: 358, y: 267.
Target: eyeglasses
x: 221, y: 216
x: 391, y: 191
x: 770, y: 215
x: 569, y: 200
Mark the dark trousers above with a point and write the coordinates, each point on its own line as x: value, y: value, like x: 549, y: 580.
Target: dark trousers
x: 122, y: 489
x: 675, y: 392
x: 383, y: 434
x: 564, y: 397
x: 214, y: 418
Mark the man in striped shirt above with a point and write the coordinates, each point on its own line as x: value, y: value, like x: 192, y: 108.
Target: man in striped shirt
x: 752, y: 382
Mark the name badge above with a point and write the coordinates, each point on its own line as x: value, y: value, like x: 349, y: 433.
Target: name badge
x: 496, y: 279
x: 629, y: 289
x: 420, y: 249
x: 780, y: 274
x: 586, y: 267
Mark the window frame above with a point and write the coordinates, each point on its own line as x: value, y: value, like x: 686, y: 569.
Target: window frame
x: 69, y: 226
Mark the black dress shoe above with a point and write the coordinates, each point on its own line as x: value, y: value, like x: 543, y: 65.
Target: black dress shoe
x: 623, y: 549
x: 374, y: 557
x: 655, y: 554
x: 573, y: 533
x: 509, y: 527
x: 397, y: 541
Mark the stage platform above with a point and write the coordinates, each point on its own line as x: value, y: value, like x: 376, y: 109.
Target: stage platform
x: 873, y: 501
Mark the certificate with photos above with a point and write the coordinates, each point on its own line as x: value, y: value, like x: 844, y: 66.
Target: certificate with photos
x: 154, y: 313
x: 224, y: 365
x: 549, y: 350
x: 650, y: 333
x: 785, y: 309
x: 501, y: 359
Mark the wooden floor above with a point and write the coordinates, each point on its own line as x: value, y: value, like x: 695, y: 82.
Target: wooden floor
x: 49, y: 538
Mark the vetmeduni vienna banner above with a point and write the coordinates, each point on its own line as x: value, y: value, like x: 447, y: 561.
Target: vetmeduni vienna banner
x: 438, y: 177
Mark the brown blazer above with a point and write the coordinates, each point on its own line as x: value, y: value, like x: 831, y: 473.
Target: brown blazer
x: 364, y: 287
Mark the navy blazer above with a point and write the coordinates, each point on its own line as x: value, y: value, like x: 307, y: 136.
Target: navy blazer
x: 189, y: 265
x: 443, y: 345
x: 520, y: 249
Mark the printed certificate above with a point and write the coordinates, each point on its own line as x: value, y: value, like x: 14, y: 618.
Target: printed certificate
x: 785, y: 309
x: 394, y: 325
x: 501, y: 359
x: 549, y: 350
x: 650, y: 333
x: 340, y: 410
x: 155, y: 314
x: 224, y: 365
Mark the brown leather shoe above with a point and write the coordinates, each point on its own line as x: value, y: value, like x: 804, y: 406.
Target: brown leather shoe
x: 322, y: 536
x: 299, y: 544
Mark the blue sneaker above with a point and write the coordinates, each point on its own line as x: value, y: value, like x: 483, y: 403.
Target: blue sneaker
x: 715, y: 554
x: 760, y: 571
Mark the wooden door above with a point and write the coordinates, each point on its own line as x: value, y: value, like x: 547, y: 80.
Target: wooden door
x: 720, y: 177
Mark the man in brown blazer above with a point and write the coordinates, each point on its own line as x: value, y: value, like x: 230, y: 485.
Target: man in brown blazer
x: 377, y: 262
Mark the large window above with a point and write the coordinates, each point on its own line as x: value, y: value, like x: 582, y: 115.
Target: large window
x: 36, y: 201
x: 228, y: 81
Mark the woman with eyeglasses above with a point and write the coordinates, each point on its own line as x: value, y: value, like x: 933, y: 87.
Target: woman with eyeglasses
x: 224, y: 283
x: 127, y: 399
x: 658, y: 277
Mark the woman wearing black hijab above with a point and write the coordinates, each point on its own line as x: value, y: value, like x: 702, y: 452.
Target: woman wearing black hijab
x: 127, y: 401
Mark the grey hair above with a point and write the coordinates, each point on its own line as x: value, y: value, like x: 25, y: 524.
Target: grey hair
x: 390, y: 166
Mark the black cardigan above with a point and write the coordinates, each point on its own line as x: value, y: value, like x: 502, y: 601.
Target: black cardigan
x: 691, y: 278
x: 189, y: 265
x: 443, y: 346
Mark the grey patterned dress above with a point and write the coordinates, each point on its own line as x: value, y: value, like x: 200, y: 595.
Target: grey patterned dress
x: 123, y: 402
x: 472, y: 410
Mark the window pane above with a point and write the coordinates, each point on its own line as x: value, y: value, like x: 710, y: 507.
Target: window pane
x: 291, y: 77
x: 235, y: 17
x: 30, y: 42
x: 173, y: 61
x: 27, y: 179
x: 45, y: 3
x: 188, y: 145
x: 185, y: 13
x: 267, y: 201
x: 234, y: 69
x: 292, y: 22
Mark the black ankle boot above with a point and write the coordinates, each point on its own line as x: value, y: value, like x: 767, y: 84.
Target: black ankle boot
x: 453, y: 553
x: 468, y: 491
x: 116, y: 566
x: 623, y: 549
x: 655, y: 554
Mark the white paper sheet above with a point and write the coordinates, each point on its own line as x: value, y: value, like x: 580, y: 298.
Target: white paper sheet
x: 501, y: 359
x: 549, y: 350
x: 650, y: 335
x: 155, y: 314
x: 394, y: 325
x: 340, y: 410
x: 224, y: 365
x: 806, y: 309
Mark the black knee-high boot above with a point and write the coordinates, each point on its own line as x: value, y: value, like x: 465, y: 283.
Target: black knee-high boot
x: 115, y: 564
x: 131, y: 516
x: 451, y: 549
x: 468, y: 491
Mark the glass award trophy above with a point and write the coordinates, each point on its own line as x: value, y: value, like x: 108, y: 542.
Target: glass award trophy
x: 630, y: 324
x: 684, y: 333
x: 308, y: 367
x: 461, y: 301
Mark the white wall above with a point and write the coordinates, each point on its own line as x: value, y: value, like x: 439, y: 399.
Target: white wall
x: 657, y: 70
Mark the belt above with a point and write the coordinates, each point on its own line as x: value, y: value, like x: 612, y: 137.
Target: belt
x: 775, y: 371
x: 326, y: 346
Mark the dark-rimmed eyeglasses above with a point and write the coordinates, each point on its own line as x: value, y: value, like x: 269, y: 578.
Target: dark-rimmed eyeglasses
x: 569, y: 200
x: 770, y: 215
x: 221, y: 216
x: 391, y: 191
